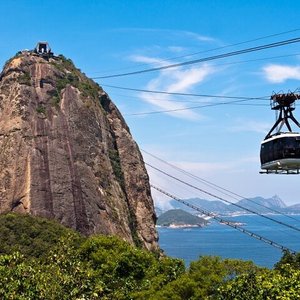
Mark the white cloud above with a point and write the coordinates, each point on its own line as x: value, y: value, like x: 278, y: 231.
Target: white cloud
x: 185, y: 79
x: 176, y: 49
x: 173, y: 80
x: 169, y: 32
x: 201, y: 38
x: 164, y: 102
x: 280, y: 73
x: 149, y: 60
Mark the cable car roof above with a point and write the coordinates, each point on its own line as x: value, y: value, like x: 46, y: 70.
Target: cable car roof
x: 281, y: 135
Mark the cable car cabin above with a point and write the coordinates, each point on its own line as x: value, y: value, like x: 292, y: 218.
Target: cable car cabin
x: 280, y: 153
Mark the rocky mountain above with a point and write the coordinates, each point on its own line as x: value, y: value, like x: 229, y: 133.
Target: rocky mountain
x: 66, y: 152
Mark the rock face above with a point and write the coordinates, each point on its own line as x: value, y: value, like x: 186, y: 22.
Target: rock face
x: 66, y: 152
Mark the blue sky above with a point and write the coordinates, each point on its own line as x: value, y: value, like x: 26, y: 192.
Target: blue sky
x: 220, y: 144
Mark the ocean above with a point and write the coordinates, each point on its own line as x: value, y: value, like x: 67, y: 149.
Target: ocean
x: 226, y: 242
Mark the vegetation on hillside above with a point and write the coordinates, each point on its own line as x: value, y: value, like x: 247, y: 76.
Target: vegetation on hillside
x: 41, y: 259
x: 31, y: 236
x: 74, y: 77
x: 179, y: 217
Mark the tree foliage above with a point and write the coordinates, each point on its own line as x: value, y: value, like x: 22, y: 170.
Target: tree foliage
x: 269, y: 284
x: 282, y: 283
x: 41, y: 259
x: 60, y: 264
x: 203, y: 278
x: 289, y: 258
x: 31, y: 236
x: 179, y: 216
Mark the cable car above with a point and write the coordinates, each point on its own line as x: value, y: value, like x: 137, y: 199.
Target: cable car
x: 280, y: 151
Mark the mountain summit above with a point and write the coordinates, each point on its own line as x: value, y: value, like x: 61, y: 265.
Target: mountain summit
x: 66, y: 152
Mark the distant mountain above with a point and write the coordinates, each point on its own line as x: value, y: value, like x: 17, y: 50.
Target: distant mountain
x: 179, y: 217
x: 257, y: 204
x: 293, y: 209
x: 211, y: 206
x: 260, y: 204
x: 295, y: 206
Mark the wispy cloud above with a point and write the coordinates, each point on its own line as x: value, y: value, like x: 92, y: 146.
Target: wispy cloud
x: 176, y: 49
x: 280, y: 73
x: 199, y: 37
x: 149, y: 60
x: 186, y: 79
x: 181, y: 33
x: 175, y: 80
x: 243, y: 125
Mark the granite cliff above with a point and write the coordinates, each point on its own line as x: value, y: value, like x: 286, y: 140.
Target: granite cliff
x: 66, y: 152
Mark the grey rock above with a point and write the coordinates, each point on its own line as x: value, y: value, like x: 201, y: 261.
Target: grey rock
x: 66, y: 152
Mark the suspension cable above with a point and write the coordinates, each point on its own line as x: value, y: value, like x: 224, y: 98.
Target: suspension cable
x: 224, y: 200
x: 228, y: 223
x: 209, y: 50
x: 186, y: 94
x: 219, y: 56
x: 217, y: 187
x: 185, y: 108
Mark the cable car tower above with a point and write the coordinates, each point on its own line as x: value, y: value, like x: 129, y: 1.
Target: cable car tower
x: 280, y: 151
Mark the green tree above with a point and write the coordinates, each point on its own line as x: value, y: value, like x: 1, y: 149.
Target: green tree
x: 126, y: 270
x: 268, y: 284
x: 40, y: 259
x: 203, y: 278
x: 289, y: 258
x: 31, y: 236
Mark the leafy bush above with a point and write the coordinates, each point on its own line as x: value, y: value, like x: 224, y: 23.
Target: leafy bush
x: 53, y: 262
x: 289, y: 258
x: 269, y: 284
x: 31, y: 236
x: 203, y: 278
x: 41, y: 259
x: 74, y: 77
x: 125, y: 269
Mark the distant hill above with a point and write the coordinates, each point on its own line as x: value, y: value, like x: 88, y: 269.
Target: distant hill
x: 213, y: 206
x: 293, y: 209
x: 260, y: 204
x: 295, y: 206
x: 179, y: 217
x: 257, y: 204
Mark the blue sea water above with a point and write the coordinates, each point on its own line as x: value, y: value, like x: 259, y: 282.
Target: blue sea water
x: 226, y: 242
